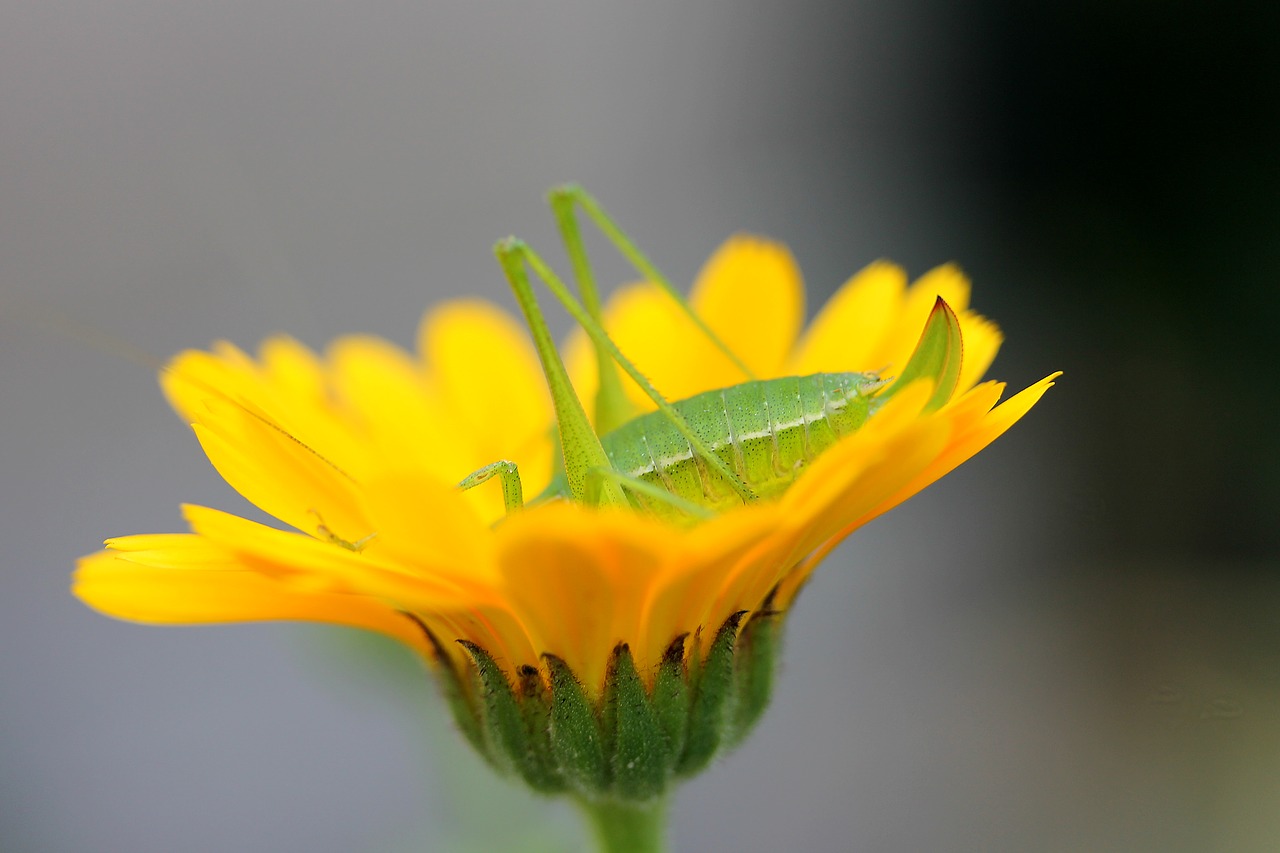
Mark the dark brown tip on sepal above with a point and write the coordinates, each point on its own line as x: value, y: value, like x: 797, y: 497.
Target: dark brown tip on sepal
x: 675, y: 650
x: 629, y: 742
x: 671, y: 696
x: 453, y: 683
x: 769, y: 600
x: 754, y: 665
x: 535, y: 711
x: 712, y: 695
x: 510, y: 730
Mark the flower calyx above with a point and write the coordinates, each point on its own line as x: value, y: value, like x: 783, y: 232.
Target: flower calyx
x: 634, y: 740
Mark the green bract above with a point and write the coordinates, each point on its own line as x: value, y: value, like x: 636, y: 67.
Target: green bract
x: 640, y: 736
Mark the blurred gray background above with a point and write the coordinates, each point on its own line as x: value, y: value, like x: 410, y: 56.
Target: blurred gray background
x: 1070, y: 644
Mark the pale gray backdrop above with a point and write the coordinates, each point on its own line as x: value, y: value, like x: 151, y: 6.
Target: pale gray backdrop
x: 966, y: 674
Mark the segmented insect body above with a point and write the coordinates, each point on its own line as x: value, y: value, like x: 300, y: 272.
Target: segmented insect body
x: 708, y: 453
x: 765, y: 431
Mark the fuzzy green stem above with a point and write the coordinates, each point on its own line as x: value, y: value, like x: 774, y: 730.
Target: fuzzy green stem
x: 628, y: 827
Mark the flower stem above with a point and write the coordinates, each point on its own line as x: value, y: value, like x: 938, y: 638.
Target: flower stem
x: 624, y: 827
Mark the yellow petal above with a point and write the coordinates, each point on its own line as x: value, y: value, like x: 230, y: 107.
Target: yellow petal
x: 847, y: 333
x: 982, y: 339
x: 751, y: 294
x: 294, y: 371
x: 422, y: 522
x: 212, y: 587
x: 385, y: 393
x: 282, y: 475
x: 484, y: 366
x: 490, y: 398
x: 901, y: 335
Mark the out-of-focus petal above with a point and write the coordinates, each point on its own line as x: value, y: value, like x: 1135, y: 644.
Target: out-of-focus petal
x: 847, y: 333
x: 752, y: 296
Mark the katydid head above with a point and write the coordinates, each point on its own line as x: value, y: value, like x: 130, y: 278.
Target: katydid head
x: 851, y: 399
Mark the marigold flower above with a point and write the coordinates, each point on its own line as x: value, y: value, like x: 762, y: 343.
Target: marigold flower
x: 359, y: 451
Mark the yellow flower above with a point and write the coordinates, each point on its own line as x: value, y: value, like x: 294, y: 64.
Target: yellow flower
x: 358, y: 451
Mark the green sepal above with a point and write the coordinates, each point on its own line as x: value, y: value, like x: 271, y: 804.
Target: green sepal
x: 630, y: 743
x: 712, y: 691
x: 671, y: 699
x: 500, y: 719
x: 535, y: 710
x: 461, y: 700
x: 637, y: 745
x: 754, y: 658
x: 576, y: 742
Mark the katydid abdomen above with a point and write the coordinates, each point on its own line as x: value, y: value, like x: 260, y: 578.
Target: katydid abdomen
x: 765, y: 431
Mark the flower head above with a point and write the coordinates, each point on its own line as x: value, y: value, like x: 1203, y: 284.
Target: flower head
x: 359, y: 450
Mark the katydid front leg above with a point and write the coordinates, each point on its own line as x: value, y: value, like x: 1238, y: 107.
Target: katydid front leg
x: 508, y: 474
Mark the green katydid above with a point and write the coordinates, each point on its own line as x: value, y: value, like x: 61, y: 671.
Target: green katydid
x: 711, y: 451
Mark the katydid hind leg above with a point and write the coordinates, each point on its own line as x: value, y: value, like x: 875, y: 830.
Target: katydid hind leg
x: 565, y: 198
x: 654, y: 492
x: 612, y: 408
x: 508, y: 252
x: 578, y: 441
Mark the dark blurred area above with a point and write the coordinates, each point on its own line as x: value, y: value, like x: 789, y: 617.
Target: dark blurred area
x: 1072, y: 643
x: 1126, y: 155
x: 1132, y: 149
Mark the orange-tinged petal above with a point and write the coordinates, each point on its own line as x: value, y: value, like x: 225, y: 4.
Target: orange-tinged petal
x: 921, y: 453
x: 309, y: 564
x: 579, y: 575
x: 976, y: 435
x: 853, y: 474
x: 729, y: 564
